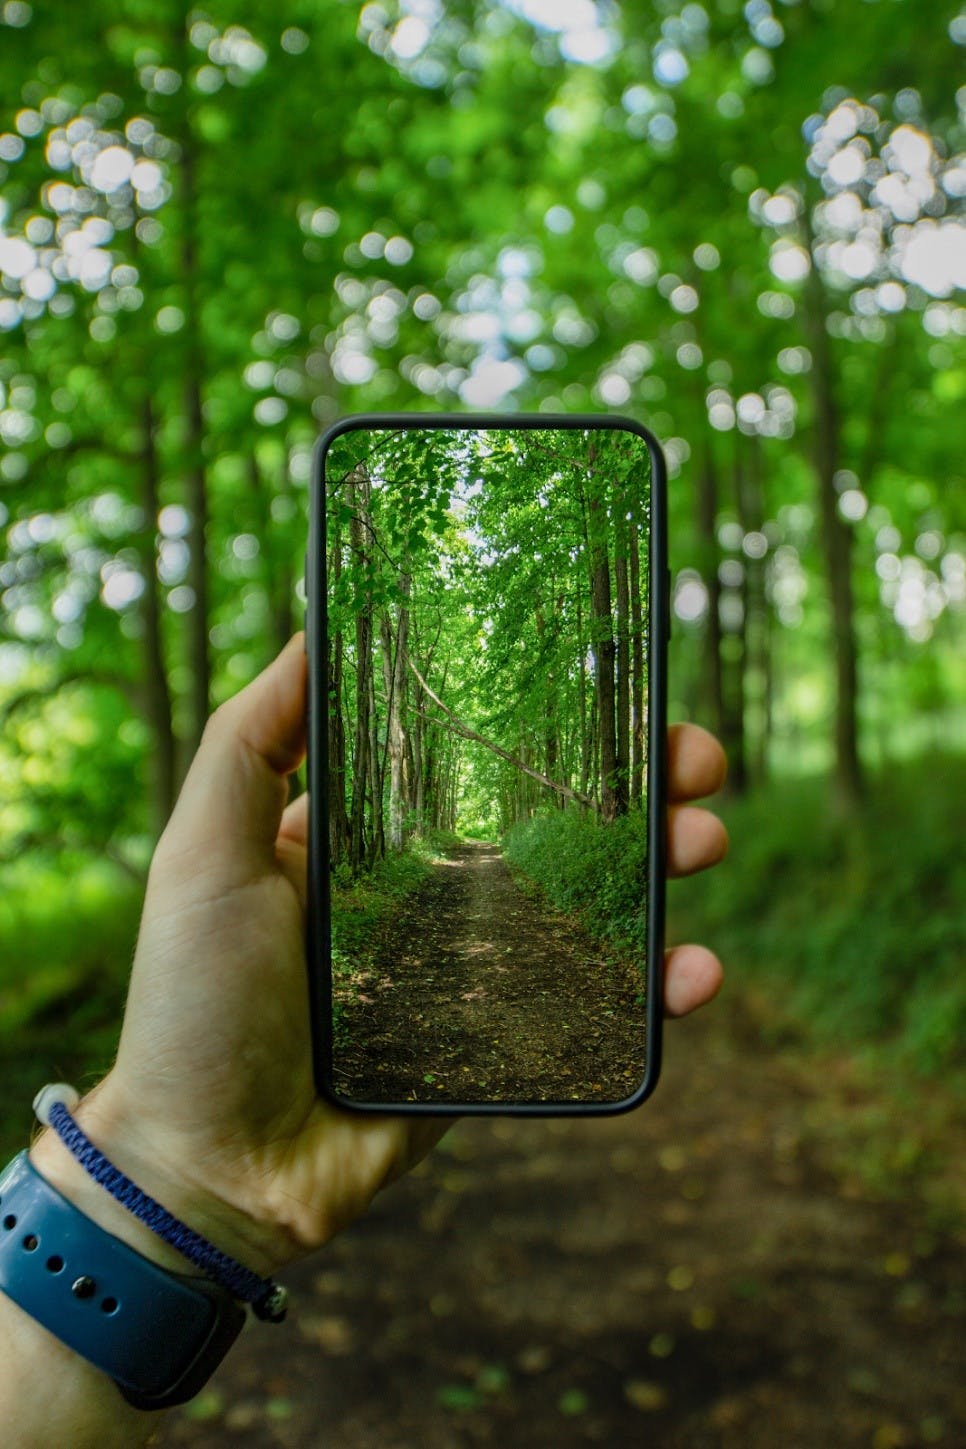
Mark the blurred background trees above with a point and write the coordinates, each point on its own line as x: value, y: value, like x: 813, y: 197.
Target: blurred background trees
x: 222, y: 228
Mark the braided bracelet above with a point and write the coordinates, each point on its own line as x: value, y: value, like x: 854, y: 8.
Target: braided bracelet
x: 53, y: 1106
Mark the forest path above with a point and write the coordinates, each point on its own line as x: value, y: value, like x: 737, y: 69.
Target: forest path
x: 692, y: 1275
x: 479, y: 990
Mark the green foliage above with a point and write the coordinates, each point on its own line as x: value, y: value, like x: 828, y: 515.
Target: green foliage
x: 52, y: 949
x: 321, y: 224
x: 471, y: 546
x: 361, y: 907
x: 852, y: 925
x: 67, y: 932
x: 597, y: 871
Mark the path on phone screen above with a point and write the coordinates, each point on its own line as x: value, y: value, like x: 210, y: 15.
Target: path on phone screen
x: 709, y: 1272
x: 479, y: 990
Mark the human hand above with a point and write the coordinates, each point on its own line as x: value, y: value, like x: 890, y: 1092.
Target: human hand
x: 211, y: 1105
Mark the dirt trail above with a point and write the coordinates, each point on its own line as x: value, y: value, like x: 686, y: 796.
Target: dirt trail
x: 480, y: 991
x: 688, y: 1276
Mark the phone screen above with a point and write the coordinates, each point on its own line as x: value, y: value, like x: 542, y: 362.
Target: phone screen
x: 488, y: 685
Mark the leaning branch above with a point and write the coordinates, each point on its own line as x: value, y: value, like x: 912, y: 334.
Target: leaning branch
x: 461, y: 729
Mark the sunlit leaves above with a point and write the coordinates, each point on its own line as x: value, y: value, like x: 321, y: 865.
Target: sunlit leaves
x: 508, y: 205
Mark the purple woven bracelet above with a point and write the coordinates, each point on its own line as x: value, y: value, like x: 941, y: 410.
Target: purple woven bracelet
x: 267, y: 1298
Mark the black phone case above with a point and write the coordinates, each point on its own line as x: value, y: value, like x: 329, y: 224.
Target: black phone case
x: 318, y: 944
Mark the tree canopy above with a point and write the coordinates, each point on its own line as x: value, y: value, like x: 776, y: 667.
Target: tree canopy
x: 222, y: 228
x: 476, y: 649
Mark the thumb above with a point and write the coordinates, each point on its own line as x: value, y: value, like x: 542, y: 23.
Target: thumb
x: 235, y: 791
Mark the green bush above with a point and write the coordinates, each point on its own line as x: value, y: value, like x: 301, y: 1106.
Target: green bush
x: 599, y: 872
x: 67, y: 933
x: 361, y: 905
x: 852, y: 920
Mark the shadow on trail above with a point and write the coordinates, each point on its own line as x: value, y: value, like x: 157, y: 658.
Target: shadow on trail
x: 688, y: 1276
x: 479, y: 991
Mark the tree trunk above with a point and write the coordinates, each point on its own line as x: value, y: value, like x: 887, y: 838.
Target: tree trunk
x: 836, y: 535
x: 419, y: 730
x: 409, y: 761
x: 767, y: 692
x: 339, y: 831
x: 709, y: 559
x: 156, y: 692
x: 751, y: 512
x: 551, y: 724
x: 733, y: 663
x: 198, y: 621
x: 196, y: 481
x: 595, y: 755
x: 377, y: 839
x: 454, y: 793
x: 604, y: 651
x: 395, y: 646
x: 623, y: 659
x: 586, y: 746
x: 338, y: 816
x: 276, y: 557
x: 639, y: 682
x: 360, y: 749
x: 360, y: 535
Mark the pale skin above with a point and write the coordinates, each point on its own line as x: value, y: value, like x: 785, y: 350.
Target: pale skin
x: 211, y: 1106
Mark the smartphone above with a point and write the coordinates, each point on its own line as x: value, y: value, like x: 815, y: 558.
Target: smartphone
x: 486, y: 625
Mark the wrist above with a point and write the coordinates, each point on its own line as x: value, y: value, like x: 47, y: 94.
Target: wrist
x: 158, y: 1335
x: 54, y: 1162
x: 139, y: 1155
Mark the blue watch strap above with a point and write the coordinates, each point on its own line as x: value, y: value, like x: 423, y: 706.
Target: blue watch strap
x: 159, y: 1335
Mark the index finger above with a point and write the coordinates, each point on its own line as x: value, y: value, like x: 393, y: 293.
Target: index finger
x: 697, y: 765
x: 235, y: 788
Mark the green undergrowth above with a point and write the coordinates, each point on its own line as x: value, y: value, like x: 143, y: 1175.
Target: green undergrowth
x: 361, y: 906
x: 597, y: 872
x: 851, y: 925
x: 61, y: 926
x: 853, y: 922
x: 67, y: 934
